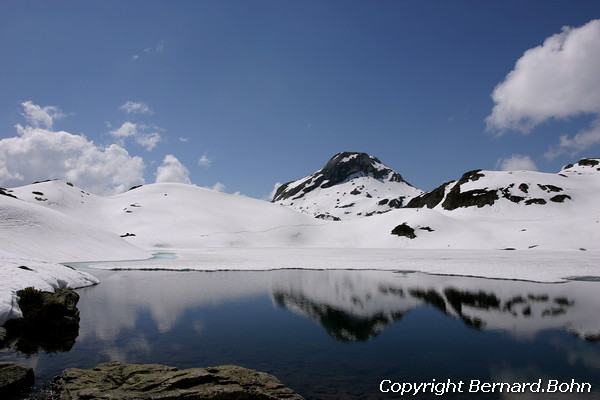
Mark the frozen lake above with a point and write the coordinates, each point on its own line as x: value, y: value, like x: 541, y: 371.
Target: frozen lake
x: 337, y: 334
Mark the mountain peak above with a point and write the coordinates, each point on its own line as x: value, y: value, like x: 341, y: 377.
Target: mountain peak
x: 350, y: 184
x: 347, y: 165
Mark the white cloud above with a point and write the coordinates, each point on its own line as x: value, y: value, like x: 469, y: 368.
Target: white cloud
x: 172, y: 170
x: 580, y: 142
x: 204, y: 161
x: 147, y: 136
x: 184, y: 139
x: 149, y: 140
x: 218, y: 187
x: 275, y: 187
x: 40, y: 117
x: 160, y: 46
x: 126, y: 130
x: 40, y: 154
x: 516, y: 162
x: 132, y: 107
x: 557, y: 80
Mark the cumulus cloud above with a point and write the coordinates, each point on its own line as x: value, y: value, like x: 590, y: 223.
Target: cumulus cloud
x: 516, y: 162
x: 218, y: 187
x: 580, y: 142
x: 126, y: 130
x: 556, y: 80
x: 149, y: 140
x: 172, y: 170
x: 39, y: 154
x: 133, y: 107
x: 147, y: 136
x: 40, y: 117
x: 204, y: 161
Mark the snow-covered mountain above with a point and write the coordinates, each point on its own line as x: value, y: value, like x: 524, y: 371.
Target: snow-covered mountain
x: 350, y: 185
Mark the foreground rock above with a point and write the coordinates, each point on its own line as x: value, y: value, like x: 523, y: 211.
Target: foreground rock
x: 14, y: 379
x: 122, y: 381
x: 50, y: 321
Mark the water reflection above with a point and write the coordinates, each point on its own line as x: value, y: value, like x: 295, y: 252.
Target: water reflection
x: 356, y: 306
x: 335, y: 334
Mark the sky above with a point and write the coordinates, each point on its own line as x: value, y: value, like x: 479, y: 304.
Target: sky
x: 243, y: 95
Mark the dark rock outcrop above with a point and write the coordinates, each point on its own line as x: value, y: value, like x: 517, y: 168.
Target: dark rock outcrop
x: 50, y: 321
x: 404, y: 230
x: 14, y: 379
x: 430, y: 199
x: 7, y: 192
x: 123, y: 381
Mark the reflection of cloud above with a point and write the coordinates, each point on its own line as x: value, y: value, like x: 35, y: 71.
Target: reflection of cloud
x: 198, y: 326
x: 530, y: 374
x: 350, y: 305
x: 115, y: 305
x: 579, y: 352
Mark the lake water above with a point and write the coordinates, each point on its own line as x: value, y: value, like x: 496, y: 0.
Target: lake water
x: 339, y: 334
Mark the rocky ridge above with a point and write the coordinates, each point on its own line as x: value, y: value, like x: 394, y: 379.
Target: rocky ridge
x: 479, y: 188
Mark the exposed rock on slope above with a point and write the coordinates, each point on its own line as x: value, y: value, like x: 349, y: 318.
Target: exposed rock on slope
x: 117, y: 380
x: 480, y: 188
x: 349, y: 185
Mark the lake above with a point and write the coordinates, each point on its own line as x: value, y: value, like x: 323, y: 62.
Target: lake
x: 337, y: 334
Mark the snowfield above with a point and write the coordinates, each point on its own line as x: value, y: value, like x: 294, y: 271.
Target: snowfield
x: 519, y: 229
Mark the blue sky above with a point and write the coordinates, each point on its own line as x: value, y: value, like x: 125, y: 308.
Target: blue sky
x: 240, y: 95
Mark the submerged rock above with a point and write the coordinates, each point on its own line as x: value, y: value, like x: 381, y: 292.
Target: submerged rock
x: 116, y: 380
x: 14, y: 379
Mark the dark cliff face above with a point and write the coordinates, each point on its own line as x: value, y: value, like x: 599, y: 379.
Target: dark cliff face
x: 338, y: 169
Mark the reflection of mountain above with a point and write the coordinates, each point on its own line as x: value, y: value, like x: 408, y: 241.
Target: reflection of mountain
x: 357, y: 306
x: 341, y: 325
x: 518, y: 306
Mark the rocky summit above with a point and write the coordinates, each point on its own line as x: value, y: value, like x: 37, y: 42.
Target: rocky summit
x: 116, y: 380
x: 350, y: 185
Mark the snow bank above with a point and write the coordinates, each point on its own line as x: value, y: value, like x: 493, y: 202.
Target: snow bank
x: 17, y: 272
x: 527, y: 265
